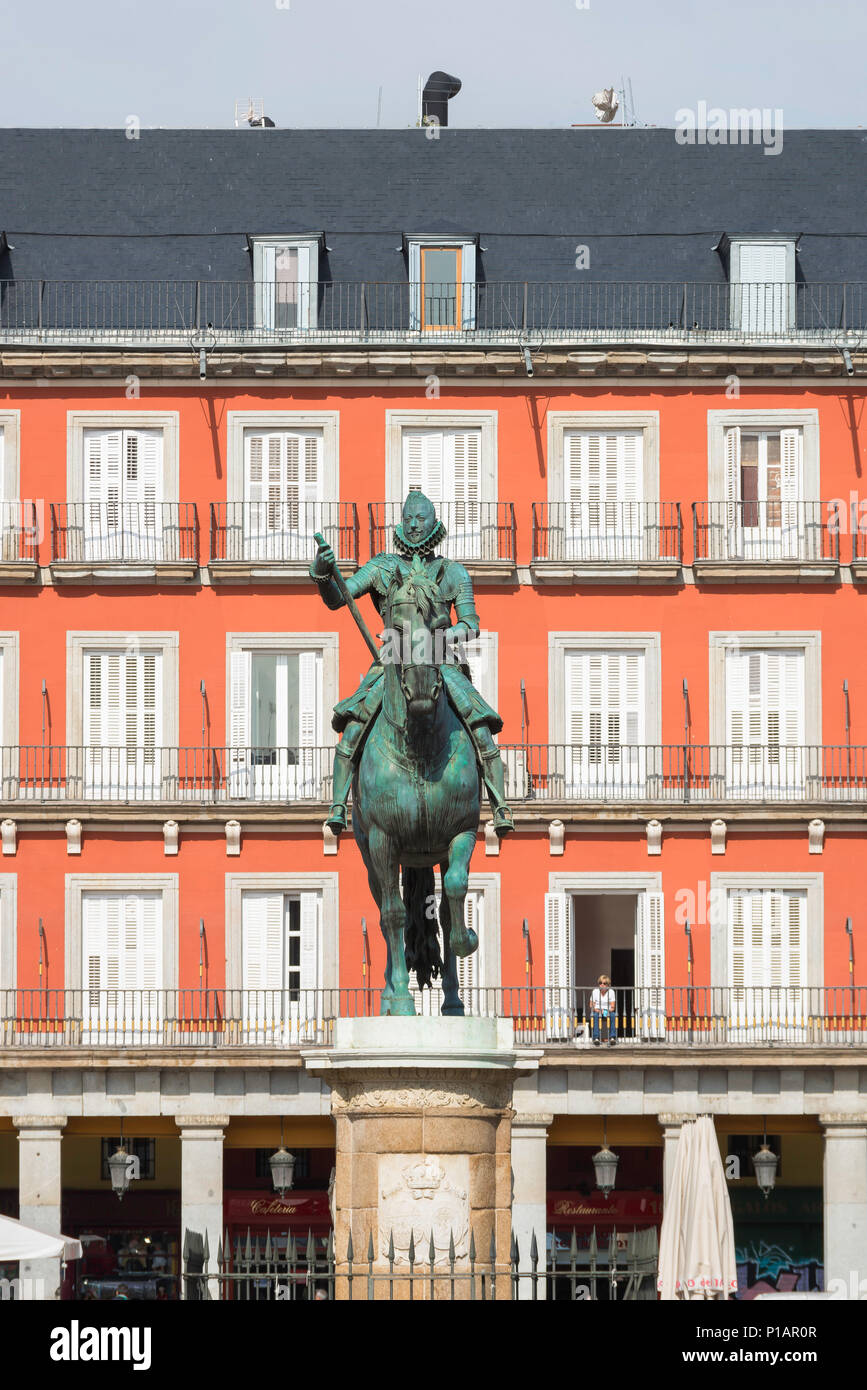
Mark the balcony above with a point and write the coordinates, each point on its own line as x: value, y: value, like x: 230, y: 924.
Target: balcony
x: 132, y: 775
x: 481, y: 535
x: 231, y: 313
x: 126, y: 542
x: 679, y: 1016
x: 274, y: 540
x: 695, y: 775
x: 765, y: 542
x: 21, y: 529
x: 859, y: 549
x: 606, y: 542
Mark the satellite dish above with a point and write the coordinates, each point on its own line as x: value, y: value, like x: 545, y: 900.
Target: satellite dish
x: 606, y: 105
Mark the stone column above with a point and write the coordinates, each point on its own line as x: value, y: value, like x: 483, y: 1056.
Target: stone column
x: 423, y: 1115
x: 39, y: 1193
x: 530, y: 1195
x: 670, y: 1135
x: 845, y: 1203
x: 202, y: 1181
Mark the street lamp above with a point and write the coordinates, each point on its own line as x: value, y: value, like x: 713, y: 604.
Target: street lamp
x: 605, y: 1163
x: 121, y: 1168
x: 282, y: 1167
x: 765, y: 1165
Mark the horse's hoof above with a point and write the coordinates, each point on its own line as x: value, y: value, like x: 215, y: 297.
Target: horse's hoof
x: 402, y: 1008
x: 463, y: 943
x: 452, y: 1010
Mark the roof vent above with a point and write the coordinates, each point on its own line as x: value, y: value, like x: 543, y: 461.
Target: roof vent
x: 438, y: 92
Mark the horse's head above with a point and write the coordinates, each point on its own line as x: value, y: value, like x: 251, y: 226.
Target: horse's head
x: 412, y: 619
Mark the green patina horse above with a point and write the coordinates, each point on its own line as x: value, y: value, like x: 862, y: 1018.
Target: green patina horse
x: 416, y: 802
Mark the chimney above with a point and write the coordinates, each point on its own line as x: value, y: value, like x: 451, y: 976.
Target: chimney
x: 438, y: 92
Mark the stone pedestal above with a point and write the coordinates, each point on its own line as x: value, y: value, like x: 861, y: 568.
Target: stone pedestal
x: 423, y: 1110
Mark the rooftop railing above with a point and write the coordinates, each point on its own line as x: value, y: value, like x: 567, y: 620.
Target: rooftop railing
x: 678, y: 1015
x: 589, y: 774
x: 523, y: 312
x: 763, y: 532
x: 607, y: 533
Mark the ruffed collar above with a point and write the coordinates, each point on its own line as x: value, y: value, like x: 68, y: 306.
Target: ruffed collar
x: 425, y: 547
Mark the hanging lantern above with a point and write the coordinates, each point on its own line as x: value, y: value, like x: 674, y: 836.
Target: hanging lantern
x: 282, y: 1170
x: 121, y: 1169
x: 765, y: 1165
x: 605, y: 1163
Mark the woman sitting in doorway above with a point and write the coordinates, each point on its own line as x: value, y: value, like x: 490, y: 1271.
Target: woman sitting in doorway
x: 603, y: 1007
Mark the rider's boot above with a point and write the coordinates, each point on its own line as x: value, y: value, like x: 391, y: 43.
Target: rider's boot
x: 342, y: 778
x: 495, y: 784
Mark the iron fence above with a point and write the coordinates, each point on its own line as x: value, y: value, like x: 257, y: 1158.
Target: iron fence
x: 681, y: 774
x: 607, y: 533
x: 282, y: 1267
x: 125, y: 532
x: 280, y: 532
x: 676, y: 1015
x: 210, y: 312
x: 21, y: 529
x: 765, y: 531
x: 475, y: 530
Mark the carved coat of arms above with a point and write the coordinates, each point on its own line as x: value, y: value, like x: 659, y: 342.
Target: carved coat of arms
x: 423, y: 1197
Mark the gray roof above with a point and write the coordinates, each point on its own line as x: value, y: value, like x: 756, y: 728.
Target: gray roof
x: 179, y: 204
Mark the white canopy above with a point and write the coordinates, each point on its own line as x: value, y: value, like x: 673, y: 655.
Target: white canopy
x: 19, y: 1242
x: 697, y: 1246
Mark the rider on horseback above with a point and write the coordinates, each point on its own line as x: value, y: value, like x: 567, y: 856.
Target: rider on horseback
x: 415, y: 542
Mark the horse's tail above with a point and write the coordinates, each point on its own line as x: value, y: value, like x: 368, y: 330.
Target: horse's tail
x: 421, y: 940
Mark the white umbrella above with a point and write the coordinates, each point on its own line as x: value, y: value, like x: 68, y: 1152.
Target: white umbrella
x: 697, y: 1245
x: 19, y: 1242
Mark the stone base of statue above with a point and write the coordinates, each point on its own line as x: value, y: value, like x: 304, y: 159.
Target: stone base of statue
x: 423, y: 1111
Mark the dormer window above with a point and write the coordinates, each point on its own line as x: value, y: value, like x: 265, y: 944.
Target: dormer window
x: 762, y: 275
x: 442, y: 283
x: 286, y: 274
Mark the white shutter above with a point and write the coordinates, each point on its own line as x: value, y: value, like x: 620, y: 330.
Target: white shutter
x: 103, y: 492
x: 307, y: 292
x: 767, y: 959
x: 650, y: 961
x: 309, y: 722
x: 734, y: 518
x: 462, y: 482
x: 311, y: 931
x: 122, y: 957
x: 241, y: 679
x: 415, y: 289
x: 468, y: 286
x: 266, y: 284
x: 263, y: 963
x: 559, y: 965
x: 480, y: 658
x: 761, y: 263
x: 791, y: 489
x: 423, y: 452
x: 471, y: 976
x: 605, y: 716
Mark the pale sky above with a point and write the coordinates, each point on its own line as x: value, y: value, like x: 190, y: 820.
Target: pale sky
x: 318, y: 63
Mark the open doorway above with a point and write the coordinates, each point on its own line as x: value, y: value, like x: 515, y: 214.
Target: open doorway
x: 605, y: 927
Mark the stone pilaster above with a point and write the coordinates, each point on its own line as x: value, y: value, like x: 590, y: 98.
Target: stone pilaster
x: 530, y: 1195
x: 39, y: 1197
x: 844, y: 1183
x: 202, y: 1179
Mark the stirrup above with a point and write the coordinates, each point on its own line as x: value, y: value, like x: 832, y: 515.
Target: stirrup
x: 503, y: 822
x: 336, y: 818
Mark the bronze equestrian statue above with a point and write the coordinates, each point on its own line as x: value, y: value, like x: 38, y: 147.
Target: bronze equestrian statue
x: 417, y: 745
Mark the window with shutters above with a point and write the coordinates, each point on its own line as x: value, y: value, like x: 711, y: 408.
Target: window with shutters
x: 762, y: 273
x: 442, y: 284
x: 123, y: 730
x: 764, y: 490
x: 445, y: 464
x: 605, y: 729
x: 8, y: 943
x: 13, y: 515
x: 283, y: 493
x: 765, y: 720
x: 276, y: 710
x: 123, y: 495
x: 122, y: 967
x: 286, y: 273
x: 603, y: 495
x: 767, y: 945
x: 280, y: 971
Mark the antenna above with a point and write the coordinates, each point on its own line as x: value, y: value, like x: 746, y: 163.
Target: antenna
x: 379, y: 108
x: 251, y: 111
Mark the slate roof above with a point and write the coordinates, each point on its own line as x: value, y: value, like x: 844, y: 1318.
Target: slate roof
x: 179, y: 204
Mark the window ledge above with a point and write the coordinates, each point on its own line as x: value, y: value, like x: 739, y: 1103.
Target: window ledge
x: 18, y: 571
x: 265, y: 572
x: 645, y: 572
x: 859, y: 571
x: 765, y: 571
x: 97, y: 572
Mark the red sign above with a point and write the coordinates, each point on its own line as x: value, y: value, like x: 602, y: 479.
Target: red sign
x: 621, y: 1209
x: 267, y: 1209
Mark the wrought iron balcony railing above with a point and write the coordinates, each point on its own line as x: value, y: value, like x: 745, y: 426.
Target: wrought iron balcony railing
x: 591, y: 774
x: 275, y: 532
x: 765, y: 532
x: 21, y: 528
x: 680, y: 1015
x: 124, y: 533
x: 685, y: 774
x: 536, y: 313
x: 607, y: 533
x: 476, y: 531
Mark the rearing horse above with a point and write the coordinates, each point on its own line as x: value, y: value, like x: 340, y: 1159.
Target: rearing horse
x: 416, y: 801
